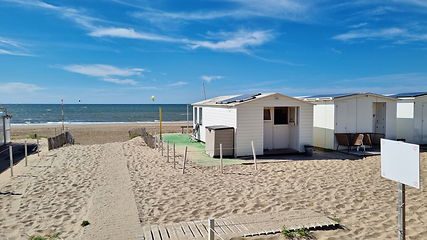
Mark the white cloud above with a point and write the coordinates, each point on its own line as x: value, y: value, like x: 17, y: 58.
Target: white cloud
x: 17, y: 87
x: 107, y: 73
x: 358, y: 25
x: 13, y: 47
x: 119, y: 81
x: 178, y: 84
x: 334, y: 50
x: 236, y: 41
x: 101, y: 70
x: 388, y: 33
x: 210, y: 78
x: 128, y: 33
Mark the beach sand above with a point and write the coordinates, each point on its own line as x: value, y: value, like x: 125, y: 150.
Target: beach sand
x: 120, y: 185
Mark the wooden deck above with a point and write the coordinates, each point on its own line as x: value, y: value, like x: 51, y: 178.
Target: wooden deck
x: 239, y: 226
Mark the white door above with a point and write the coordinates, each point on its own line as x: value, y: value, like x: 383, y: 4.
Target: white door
x: 341, y: 117
x: 424, y: 124
x: 380, y: 117
x: 281, y: 136
x: 280, y: 128
x: 268, y: 128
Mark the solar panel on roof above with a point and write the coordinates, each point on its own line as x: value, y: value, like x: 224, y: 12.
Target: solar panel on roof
x: 329, y: 95
x: 413, y: 94
x: 240, y: 98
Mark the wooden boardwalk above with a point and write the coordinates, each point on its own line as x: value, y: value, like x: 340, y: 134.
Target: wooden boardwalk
x: 239, y: 226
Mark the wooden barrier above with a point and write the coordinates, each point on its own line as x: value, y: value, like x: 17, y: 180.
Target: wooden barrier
x: 60, y: 140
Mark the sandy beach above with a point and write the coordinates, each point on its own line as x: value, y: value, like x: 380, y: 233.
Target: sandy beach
x: 120, y: 185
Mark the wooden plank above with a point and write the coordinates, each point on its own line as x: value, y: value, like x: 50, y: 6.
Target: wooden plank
x: 224, y: 228
x: 163, y: 233
x: 219, y: 230
x: 187, y: 230
x: 245, y: 231
x: 155, y: 232
x: 194, y: 229
x: 147, y: 233
x: 179, y: 231
x: 201, y: 226
x: 233, y: 227
x: 245, y: 222
x: 171, y: 230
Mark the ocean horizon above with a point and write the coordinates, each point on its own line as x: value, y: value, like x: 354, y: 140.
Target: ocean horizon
x: 76, y: 114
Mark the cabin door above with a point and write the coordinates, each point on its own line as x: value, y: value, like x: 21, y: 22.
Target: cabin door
x: 268, y: 128
x: 280, y: 128
x: 424, y: 124
x: 380, y: 117
x: 341, y: 117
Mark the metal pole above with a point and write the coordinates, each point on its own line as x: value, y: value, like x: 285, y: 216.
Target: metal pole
x: 167, y: 152
x: 26, y: 153
x: 173, y: 155
x: 401, y: 211
x: 187, y: 120
x: 160, y: 112
x: 220, y: 155
x: 211, y: 228
x: 62, y: 103
x: 204, y: 89
x: 11, y: 160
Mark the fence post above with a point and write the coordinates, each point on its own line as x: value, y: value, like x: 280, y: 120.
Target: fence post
x: 11, y: 160
x: 38, y: 146
x: 161, y: 144
x: 173, y: 155
x: 26, y: 153
x: 253, y: 151
x: 220, y: 156
x: 185, y: 159
x: 167, y: 152
x: 211, y: 228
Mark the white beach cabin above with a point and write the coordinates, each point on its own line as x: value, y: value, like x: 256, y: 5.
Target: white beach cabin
x: 4, y: 127
x: 271, y: 121
x: 412, y: 117
x: 351, y: 113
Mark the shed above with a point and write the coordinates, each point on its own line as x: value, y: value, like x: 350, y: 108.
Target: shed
x: 216, y: 135
x: 270, y: 120
x: 5, y: 127
x: 412, y: 117
x: 351, y: 113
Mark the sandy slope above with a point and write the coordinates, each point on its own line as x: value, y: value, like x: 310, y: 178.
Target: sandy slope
x: 121, y: 182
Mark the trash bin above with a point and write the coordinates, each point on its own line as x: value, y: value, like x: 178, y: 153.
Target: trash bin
x: 308, y: 150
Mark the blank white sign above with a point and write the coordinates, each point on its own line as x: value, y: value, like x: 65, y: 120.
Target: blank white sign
x: 400, y: 162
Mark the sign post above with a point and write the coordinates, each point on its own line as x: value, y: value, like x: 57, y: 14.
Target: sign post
x: 400, y: 162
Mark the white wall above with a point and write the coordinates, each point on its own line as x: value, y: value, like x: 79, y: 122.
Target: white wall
x: 213, y: 116
x: 323, y: 124
x: 250, y: 123
x: 1, y: 132
x: 420, y: 133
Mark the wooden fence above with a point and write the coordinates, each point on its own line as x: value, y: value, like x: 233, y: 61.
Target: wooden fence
x: 148, y: 138
x: 60, y: 140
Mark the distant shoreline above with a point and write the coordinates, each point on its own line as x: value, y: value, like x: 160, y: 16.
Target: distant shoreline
x: 92, y: 123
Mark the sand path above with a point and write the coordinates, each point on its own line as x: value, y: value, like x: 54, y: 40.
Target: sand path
x: 112, y: 210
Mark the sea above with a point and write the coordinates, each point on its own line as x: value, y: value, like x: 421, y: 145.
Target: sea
x: 51, y: 114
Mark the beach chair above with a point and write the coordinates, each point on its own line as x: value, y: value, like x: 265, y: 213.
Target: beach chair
x: 357, y: 140
x: 367, y: 141
x: 343, y: 140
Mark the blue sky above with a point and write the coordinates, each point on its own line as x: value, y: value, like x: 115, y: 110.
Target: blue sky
x: 123, y: 51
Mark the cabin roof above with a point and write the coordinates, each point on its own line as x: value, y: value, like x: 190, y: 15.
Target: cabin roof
x: 408, y: 95
x: 234, y: 100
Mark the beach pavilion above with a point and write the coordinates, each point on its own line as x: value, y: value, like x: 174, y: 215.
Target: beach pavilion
x: 271, y: 120
x: 4, y: 127
x: 412, y: 117
x: 352, y: 113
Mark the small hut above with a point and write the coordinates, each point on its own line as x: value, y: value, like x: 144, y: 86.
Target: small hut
x: 272, y: 121
x: 412, y: 117
x: 4, y: 126
x: 352, y: 113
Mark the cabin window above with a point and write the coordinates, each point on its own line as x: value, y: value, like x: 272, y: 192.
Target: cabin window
x: 280, y: 115
x: 267, y: 115
x: 200, y: 116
